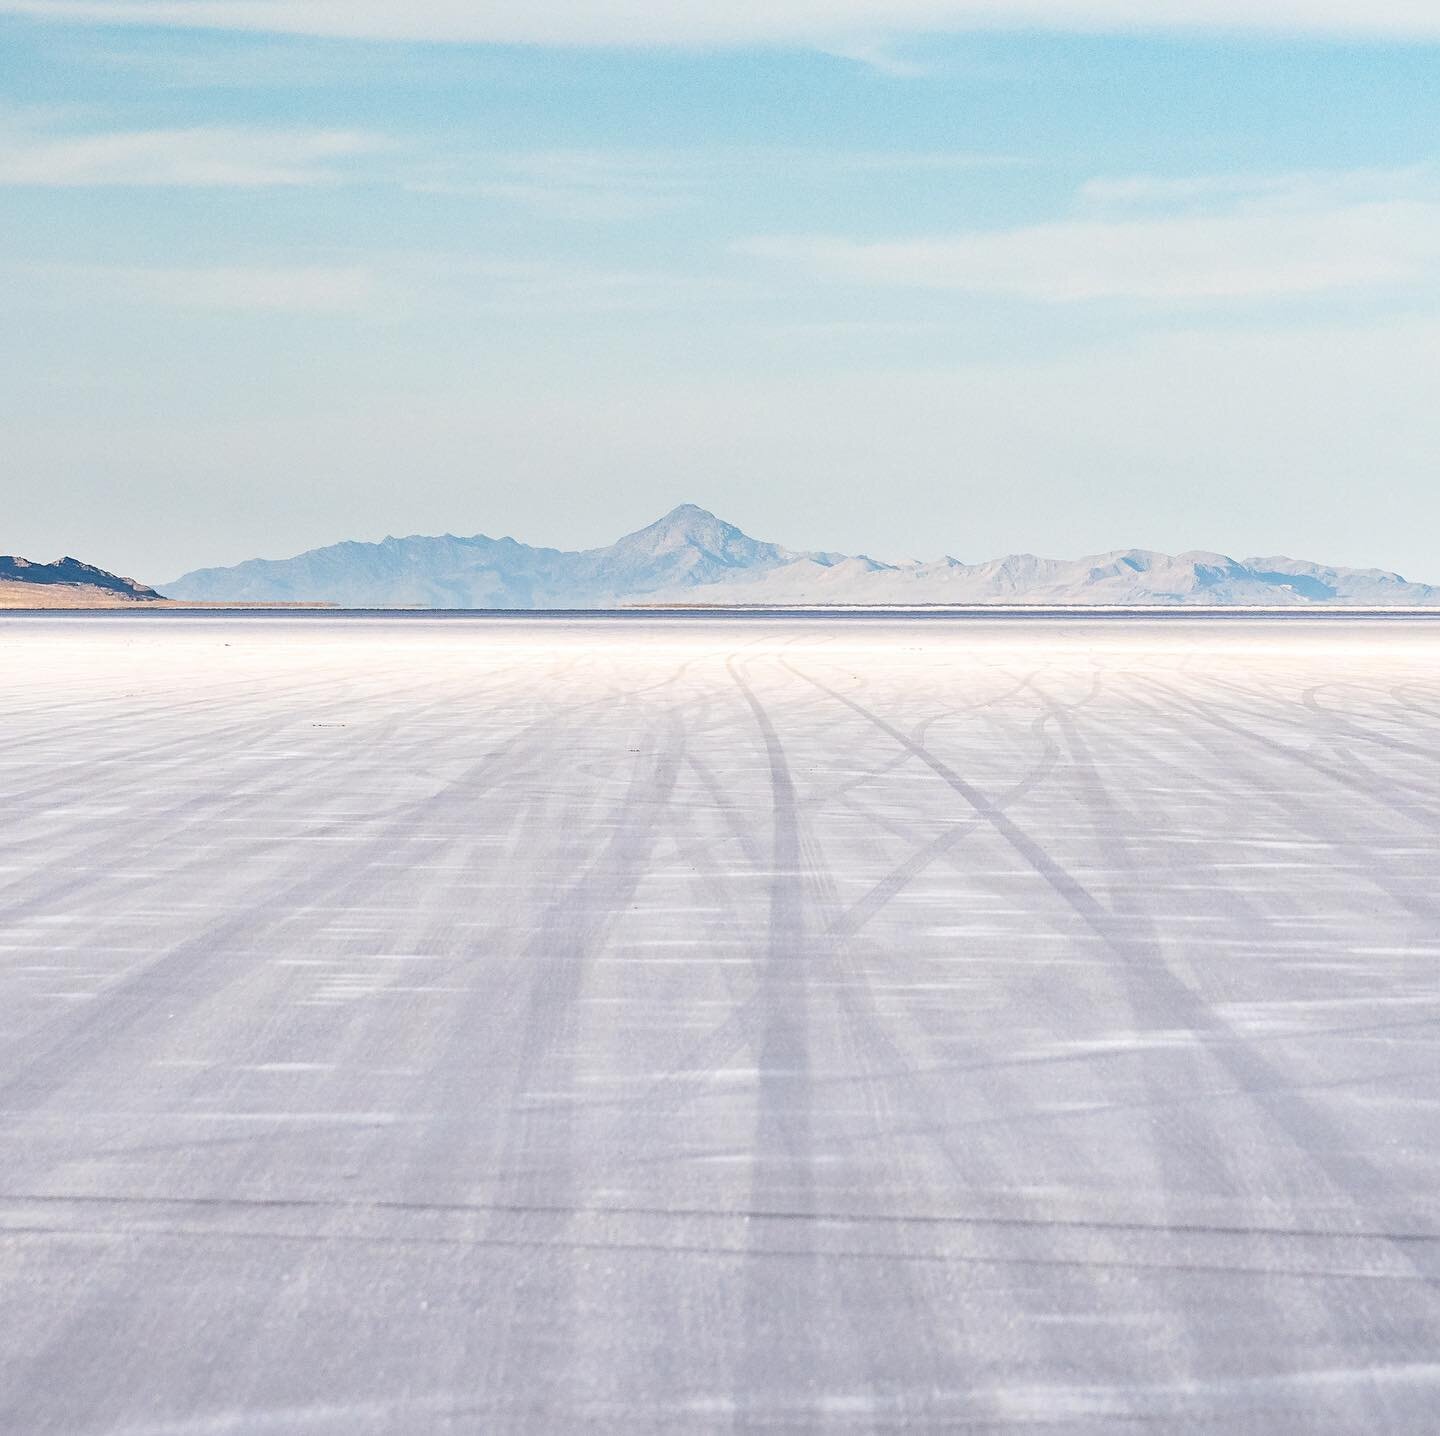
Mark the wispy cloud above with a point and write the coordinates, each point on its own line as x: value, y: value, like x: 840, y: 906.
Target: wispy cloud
x: 1292, y: 189
x: 1167, y: 239
x: 308, y: 289
x: 214, y: 156
x: 542, y: 288
x: 379, y: 286
x: 740, y: 22
x: 568, y: 184
x: 263, y: 63
x: 898, y: 161
x: 881, y: 57
x: 611, y: 185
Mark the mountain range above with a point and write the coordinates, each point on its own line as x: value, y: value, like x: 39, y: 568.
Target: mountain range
x: 692, y: 557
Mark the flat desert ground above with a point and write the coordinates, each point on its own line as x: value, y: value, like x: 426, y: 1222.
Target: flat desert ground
x: 688, y: 1024
x: 57, y: 595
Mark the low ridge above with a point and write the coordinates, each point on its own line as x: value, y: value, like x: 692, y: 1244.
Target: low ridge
x: 66, y: 581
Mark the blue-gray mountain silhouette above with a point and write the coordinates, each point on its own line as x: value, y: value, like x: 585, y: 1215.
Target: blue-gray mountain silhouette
x: 690, y: 556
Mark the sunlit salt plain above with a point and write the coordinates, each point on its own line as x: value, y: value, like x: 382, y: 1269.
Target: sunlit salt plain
x: 664, y: 1024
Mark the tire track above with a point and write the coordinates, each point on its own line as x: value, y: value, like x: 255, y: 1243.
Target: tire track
x: 1161, y: 992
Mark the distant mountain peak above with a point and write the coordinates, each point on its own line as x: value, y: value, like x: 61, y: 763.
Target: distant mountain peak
x: 687, y: 512
x: 687, y: 522
x: 695, y: 537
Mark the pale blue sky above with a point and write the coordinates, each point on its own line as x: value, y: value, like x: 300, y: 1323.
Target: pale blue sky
x: 912, y: 278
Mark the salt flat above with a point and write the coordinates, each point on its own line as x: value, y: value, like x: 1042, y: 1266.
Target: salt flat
x: 423, y: 1024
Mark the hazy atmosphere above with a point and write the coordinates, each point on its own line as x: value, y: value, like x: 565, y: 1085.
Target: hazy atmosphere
x: 719, y: 718
x: 903, y: 279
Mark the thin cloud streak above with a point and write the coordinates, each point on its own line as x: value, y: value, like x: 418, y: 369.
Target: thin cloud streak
x: 541, y: 289
x: 314, y: 289
x: 879, y: 57
x: 581, y: 185
x: 201, y: 157
x: 1291, y: 189
x: 617, y: 185
x: 1247, y: 255
x: 703, y: 23
x: 382, y: 288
